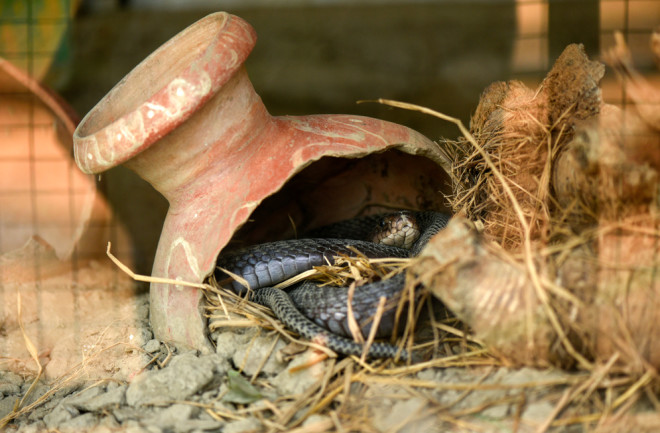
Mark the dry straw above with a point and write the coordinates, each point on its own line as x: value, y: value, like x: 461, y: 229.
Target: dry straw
x: 503, y: 179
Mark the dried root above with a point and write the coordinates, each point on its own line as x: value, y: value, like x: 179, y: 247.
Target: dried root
x: 565, y: 269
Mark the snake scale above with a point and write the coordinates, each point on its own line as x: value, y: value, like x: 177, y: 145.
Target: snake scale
x: 320, y: 312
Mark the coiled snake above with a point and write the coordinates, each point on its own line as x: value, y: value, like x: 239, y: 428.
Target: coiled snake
x: 320, y: 312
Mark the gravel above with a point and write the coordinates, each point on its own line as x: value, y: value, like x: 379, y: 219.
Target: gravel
x: 236, y: 388
x: 187, y: 374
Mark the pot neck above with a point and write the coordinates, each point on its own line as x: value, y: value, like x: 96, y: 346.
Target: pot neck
x: 216, y: 131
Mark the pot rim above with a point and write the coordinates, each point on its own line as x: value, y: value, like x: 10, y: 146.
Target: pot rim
x: 162, y: 91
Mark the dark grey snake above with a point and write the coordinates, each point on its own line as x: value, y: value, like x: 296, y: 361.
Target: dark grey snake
x: 320, y: 312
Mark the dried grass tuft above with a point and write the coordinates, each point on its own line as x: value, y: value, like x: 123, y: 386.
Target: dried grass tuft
x: 565, y: 234
x: 578, y: 399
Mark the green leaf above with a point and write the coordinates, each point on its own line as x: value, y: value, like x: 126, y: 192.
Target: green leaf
x: 240, y: 390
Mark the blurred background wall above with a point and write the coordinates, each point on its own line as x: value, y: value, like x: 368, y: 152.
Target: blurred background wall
x: 318, y: 56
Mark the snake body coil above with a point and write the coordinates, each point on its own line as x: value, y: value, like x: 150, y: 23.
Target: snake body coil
x: 320, y: 312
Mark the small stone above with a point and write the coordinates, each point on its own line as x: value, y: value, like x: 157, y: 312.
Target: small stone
x: 140, y: 336
x: 400, y: 412
x: 250, y: 357
x: 297, y: 382
x: 208, y: 396
x: 127, y: 414
x: 221, y: 365
x: 7, y: 405
x: 499, y: 411
x: 39, y: 412
x: 7, y: 388
x: 133, y: 426
x: 79, y: 423
x: 142, y: 307
x: 184, y: 376
x: 153, y: 429
x: 59, y: 415
x: 152, y: 346
x: 538, y: 411
x: 133, y: 429
x: 79, y: 400
x: 10, y: 378
x: 196, y: 425
x: 243, y: 425
x: 318, y: 423
x: 39, y: 389
x: 35, y: 427
x: 111, y: 398
x: 109, y: 424
x: 167, y: 417
x: 427, y: 375
x: 228, y: 342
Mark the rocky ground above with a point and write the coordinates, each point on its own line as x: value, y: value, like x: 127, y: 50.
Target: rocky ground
x: 255, y: 383
x: 104, y: 371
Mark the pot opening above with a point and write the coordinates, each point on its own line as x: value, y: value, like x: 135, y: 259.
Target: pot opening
x: 334, y: 189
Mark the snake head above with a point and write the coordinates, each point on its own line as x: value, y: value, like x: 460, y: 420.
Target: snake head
x: 399, y: 230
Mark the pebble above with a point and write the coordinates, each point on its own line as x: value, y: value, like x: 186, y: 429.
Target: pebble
x: 196, y: 425
x: 499, y: 411
x: 401, y: 411
x: 39, y: 389
x: 152, y: 346
x: 80, y: 400
x: 175, y: 418
x: 8, y: 388
x: 227, y: 343
x: 7, y: 405
x: 297, y: 382
x: 537, y: 411
x: 113, y: 397
x: 249, y: 357
x: 243, y: 425
x: 10, y: 380
x: 108, y: 423
x: 144, y: 405
x: 167, y: 417
x: 35, y: 427
x: 186, y: 375
x: 318, y: 423
x: 426, y: 375
x: 153, y: 429
x: 79, y: 423
x: 59, y: 415
x: 125, y: 414
x: 133, y: 427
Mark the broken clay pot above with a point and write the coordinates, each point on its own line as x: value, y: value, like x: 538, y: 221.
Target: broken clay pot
x: 188, y: 121
x: 42, y: 192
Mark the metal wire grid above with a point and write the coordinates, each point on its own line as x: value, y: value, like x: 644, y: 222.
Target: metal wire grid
x: 533, y: 57
x: 25, y: 191
x: 544, y: 23
x: 42, y: 192
x: 44, y: 179
x: 18, y: 25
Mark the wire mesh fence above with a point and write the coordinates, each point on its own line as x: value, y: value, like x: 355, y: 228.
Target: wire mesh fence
x: 66, y: 218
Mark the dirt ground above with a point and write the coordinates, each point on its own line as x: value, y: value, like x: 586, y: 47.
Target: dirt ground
x: 87, y: 323
x: 103, y: 371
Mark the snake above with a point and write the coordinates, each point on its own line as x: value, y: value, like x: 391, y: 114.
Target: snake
x: 320, y: 313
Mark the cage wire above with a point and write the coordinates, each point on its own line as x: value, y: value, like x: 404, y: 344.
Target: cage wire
x: 544, y: 28
x: 53, y: 222
x: 25, y: 194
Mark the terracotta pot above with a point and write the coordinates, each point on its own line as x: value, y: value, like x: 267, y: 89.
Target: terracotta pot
x: 42, y: 193
x: 188, y: 121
